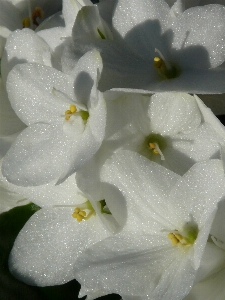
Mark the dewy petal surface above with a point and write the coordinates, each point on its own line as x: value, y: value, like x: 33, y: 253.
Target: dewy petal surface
x: 171, y: 113
x: 33, y: 97
x: 24, y: 46
x: 142, y: 249
x: 42, y: 104
x: 37, y: 156
x: 70, y: 10
x: 141, y: 23
x: 9, y: 122
x: 192, y: 59
x: 48, y: 195
x: 46, y: 249
x: 209, y: 46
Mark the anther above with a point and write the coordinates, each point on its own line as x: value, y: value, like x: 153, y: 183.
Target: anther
x: 70, y: 112
x: 83, y: 212
x: 164, y: 68
x: 26, y: 22
x: 37, y: 13
x: 152, y: 146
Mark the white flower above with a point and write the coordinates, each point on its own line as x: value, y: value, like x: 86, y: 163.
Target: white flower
x: 66, y: 116
x: 62, y: 28
x: 16, y: 14
x: 151, y: 50
x: 168, y: 221
x: 46, y: 249
x: 212, y: 284
x: 171, y: 129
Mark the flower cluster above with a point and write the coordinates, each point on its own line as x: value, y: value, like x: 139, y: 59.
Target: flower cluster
x: 103, y: 127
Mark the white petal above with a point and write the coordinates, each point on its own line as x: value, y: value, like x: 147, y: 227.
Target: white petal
x: 194, y: 81
x: 212, y: 288
x: 213, y: 260
x: 9, y: 200
x: 171, y: 113
x: 70, y: 10
x: 202, y: 184
x: 9, y: 122
x: 90, y: 25
x: 86, y: 75
x: 46, y: 249
x: 145, y: 260
x: 24, y: 46
x: 33, y: 97
x: 208, y: 44
x: 218, y: 226
x: 145, y: 24
x: 140, y: 181
x: 37, y: 157
x: 209, y: 117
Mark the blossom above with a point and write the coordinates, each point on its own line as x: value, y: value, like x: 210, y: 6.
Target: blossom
x: 25, y: 14
x: 173, y: 129
x: 212, y: 284
x: 65, y: 116
x: 155, y: 51
x: 56, y: 35
x: 46, y: 249
x: 165, y: 233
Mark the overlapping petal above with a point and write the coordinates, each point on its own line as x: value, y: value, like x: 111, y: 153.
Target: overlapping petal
x: 59, y: 144
x: 154, y: 208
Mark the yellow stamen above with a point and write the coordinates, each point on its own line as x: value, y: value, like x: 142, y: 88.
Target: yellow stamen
x: 159, y: 63
x: 70, y: 111
x: 83, y: 212
x: 178, y: 239
x: 79, y: 214
x: 152, y: 146
x: 73, y: 108
x: 173, y: 239
x: 164, y: 71
x: 37, y: 13
x: 26, y: 22
x: 74, y: 111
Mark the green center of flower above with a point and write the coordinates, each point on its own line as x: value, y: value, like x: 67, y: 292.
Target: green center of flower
x: 104, y: 208
x: 185, y: 238
x: 74, y: 111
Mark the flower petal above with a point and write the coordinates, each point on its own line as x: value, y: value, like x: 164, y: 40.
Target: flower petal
x: 146, y: 21
x: 70, y: 10
x: 171, y: 113
x: 188, y: 32
x: 46, y: 249
x: 33, y: 97
x: 24, y: 46
x: 37, y: 156
x: 9, y: 122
